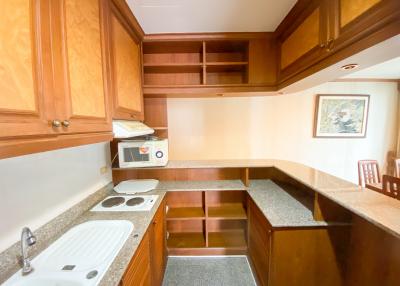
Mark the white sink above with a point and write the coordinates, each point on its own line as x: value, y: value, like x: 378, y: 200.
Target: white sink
x: 80, y: 257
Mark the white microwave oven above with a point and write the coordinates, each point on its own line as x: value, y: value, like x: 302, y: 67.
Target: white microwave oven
x: 143, y: 153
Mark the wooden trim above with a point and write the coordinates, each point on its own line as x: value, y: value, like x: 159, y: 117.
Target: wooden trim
x: 204, y: 91
x: 126, y: 12
x: 207, y: 36
x: 23, y: 146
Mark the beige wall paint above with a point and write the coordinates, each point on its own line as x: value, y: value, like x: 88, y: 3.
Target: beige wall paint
x: 281, y: 127
x: 36, y: 188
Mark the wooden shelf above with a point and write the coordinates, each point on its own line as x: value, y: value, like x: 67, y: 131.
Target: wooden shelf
x: 186, y: 240
x: 172, y: 67
x: 227, y: 63
x: 227, y: 239
x: 185, y: 213
x: 227, y: 211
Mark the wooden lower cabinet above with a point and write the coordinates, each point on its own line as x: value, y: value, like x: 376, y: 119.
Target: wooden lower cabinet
x: 295, y: 256
x: 139, y: 270
x: 147, y: 267
x: 259, y: 242
x: 158, y: 249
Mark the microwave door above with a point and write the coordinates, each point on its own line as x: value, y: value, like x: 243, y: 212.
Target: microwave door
x: 136, y: 154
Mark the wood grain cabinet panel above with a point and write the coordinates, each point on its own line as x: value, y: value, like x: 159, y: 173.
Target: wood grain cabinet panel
x: 305, y: 38
x: 289, y: 256
x: 84, y: 100
x: 139, y: 271
x: 158, y: 249
x: 83, y: 38
x: 24, y: 98
x: 127, y: 71
x: 351, y: 9
x: 259, y: 243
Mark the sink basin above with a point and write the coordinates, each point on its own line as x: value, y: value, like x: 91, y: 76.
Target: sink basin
x: 80, y: 257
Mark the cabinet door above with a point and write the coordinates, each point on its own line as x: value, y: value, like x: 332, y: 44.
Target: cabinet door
x: 302, y: 43
x: 138, y: 272
x: 25, y: 69
x: 81, y: 79
x: 259, y: 243
x: 126, y: 70
x: 351, y: 20
x: 158, y: 246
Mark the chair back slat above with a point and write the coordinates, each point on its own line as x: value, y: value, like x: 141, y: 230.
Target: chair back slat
x: 391, y: 186
x: 368, y: 172
x: 397, y: 167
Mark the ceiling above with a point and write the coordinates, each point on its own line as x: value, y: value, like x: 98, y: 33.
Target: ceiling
x: 386, y: 70
x: 195, y: 16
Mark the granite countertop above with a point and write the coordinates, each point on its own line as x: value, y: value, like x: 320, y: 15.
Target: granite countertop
x: 78, y: 214
x: 378, y: 209
x: 283, y: 207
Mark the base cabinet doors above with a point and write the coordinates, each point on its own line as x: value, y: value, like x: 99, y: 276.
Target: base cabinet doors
x: 139, y: 271
x: 158, y: 248
x: 259, y: 242
x: 295, y: 256
x: 126, y: 69
x: 26, y: 105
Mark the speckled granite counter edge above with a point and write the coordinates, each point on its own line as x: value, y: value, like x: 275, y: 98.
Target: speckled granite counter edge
x: 54, y: 229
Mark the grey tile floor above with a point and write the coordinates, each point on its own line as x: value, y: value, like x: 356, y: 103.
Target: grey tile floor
x: 208, y: 271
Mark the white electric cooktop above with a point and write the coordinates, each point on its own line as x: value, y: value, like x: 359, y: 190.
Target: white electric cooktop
x: 126, y: 203
x: 130, y: 197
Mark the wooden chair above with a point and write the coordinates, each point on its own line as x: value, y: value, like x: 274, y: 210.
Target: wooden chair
x: 397, y: 167
x: 368, y: 172
x: 391, y: 186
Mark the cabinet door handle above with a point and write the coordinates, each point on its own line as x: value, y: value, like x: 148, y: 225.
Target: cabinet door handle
x: 56, y: 123
x: 329, y: 45
x: 66, y: 123
x: 154, y: 222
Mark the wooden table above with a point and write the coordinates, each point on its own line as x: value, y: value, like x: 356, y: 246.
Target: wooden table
x: 376, y: 187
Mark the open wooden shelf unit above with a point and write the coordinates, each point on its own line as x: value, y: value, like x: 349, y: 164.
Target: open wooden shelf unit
x: 195, y: 63
x: 206, y: 222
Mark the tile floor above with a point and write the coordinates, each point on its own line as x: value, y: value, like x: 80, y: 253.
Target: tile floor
x: 208, y: 271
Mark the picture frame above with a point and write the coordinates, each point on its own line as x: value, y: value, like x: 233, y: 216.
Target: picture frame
x: 341, y: 115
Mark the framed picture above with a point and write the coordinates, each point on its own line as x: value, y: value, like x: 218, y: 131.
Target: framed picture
x: 341, y: 116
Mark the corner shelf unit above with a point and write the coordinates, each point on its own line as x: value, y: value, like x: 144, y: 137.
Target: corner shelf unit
x: 195, y: 63
x: 206, y: 222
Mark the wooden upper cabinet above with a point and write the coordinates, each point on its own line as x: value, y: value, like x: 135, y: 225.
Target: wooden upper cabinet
x: 303, y: 41
x: 25, y: 104
x: 351, y: 9
x: 83, y: 102
x: 351, y: 20
x: 126, y: 67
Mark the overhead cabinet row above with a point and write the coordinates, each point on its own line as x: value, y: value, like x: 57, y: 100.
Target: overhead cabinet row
x: 314, y: 35
x: 68, y: 67
x: 316, y: 30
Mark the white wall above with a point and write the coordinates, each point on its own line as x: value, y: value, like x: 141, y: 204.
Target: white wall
x: 36, y: 188
x: 281, y: 127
